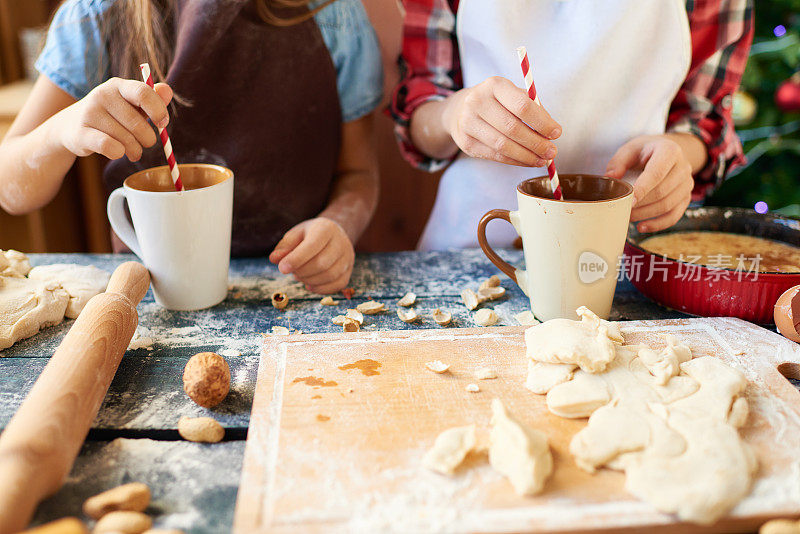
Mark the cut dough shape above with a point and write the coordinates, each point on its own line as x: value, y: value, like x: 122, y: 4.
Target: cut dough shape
x: 28, y: 305
x: 450, y: 449
x: 520, y: 453
x: 542, y: 377
x: 16, y: 263
x: 81, y: 282
x: 667, y: 420
x: 589, y: 343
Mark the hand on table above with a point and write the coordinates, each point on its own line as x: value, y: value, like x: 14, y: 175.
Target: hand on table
x: 496, y: 120
x: 319, y: 254
x: 662, y: 191
x: 112, y: 119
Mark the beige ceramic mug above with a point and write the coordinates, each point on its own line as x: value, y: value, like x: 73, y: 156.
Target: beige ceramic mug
x: 572, y: 247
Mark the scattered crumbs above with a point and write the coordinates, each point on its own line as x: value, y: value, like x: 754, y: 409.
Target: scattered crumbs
x: 472, y: 388
x: 316, y: 397
x: 323, y: 418
x: 367, y: 367
x: 437, y: 366
x: 230, y: 353
x: 141, y: 339
x: 314, y: 381
x: 484, y: 373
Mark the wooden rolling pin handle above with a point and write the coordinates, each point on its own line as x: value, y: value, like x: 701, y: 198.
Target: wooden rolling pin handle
x: 43, y: 438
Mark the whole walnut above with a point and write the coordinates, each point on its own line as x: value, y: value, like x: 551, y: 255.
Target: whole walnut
x: 207, y: 379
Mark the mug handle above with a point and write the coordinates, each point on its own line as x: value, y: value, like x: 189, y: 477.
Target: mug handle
x: 517, y: 275
x: 119, y: 220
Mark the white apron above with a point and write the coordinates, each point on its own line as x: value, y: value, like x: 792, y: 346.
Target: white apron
x: 605, y: 70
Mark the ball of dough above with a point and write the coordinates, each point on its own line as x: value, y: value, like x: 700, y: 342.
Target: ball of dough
x: 207, y: 379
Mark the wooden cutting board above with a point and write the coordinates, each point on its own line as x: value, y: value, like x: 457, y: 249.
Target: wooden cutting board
x: 336, y: 445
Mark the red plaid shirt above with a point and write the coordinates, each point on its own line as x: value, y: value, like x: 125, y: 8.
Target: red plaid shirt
x: 722, y: 31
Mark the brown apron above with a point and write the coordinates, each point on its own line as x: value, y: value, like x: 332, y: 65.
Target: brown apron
x: 262, y: 101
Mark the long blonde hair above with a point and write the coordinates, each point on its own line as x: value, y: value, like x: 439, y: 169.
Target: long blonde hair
x: 137, y: 31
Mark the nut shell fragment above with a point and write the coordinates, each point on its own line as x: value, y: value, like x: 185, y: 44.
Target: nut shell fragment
x: 200, y: 429
x: 355, y: 315
x: 484, y: 373
x: 492, y: 281
x: 526, y: 318
x: 492, y: 293
x: 470, y: 299
x: 437, y: 366
x: 442, y: 318
x: 472, y: 388
x: 408, y: 316
x: 351, y: 325
x: 370, y: 308
x: 408, y: 299
x: 279, y: 300
x: 338, y: 320
x: 328, y: 301
x: 280, y: 330
x: 486, y: 317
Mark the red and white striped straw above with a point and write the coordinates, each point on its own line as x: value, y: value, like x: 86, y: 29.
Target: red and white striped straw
x: 527, y: 72
x: 162, y: 132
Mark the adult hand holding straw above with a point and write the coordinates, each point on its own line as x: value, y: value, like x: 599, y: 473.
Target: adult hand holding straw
x: 530, y: 87
x: 493, y: 120
x: 162, y: 132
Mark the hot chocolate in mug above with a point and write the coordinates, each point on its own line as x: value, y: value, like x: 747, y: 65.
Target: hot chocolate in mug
x: 183, y: 238
x: 571, y: 247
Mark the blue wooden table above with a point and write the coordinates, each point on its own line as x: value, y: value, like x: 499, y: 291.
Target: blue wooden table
x: 135, y: 438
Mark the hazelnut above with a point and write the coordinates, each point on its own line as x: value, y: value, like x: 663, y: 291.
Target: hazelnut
x: 207, y: 379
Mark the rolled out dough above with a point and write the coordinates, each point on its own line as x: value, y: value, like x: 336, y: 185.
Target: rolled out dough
x: 520, y: 453
x: 667, y: 420
x: 26, y: 306
x: 81, y: 282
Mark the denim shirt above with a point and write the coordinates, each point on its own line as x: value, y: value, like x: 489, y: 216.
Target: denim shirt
x: 75, y: 59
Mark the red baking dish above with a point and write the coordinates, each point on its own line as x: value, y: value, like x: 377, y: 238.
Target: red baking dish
x: 713, y: 292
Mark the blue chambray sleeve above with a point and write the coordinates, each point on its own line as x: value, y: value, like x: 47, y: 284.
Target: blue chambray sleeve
x: 354, y: 49
x: 74, y: 56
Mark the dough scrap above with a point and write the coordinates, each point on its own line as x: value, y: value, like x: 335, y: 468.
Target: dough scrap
x: 665, y: 364
x: 28, y: 305
x: 520, y: 453
x: 81, y: 282
x: 16, y: 263
x: 484, y: 373
x: 450, y: 449
x: 589, y: 343
x: 437, y: 366
x: 578, y: 397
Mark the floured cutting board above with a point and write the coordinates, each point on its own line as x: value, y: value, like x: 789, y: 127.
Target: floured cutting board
x: 335, y: 443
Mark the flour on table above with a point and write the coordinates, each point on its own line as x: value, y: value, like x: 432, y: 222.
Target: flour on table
x: 230, y: 353
x: 141, y: 339
x: 520, y: 453
x: 588, y: 343
x: 28, y: 305
x: 667, y: 420
x: 81, y: 282
x: 450, y: 449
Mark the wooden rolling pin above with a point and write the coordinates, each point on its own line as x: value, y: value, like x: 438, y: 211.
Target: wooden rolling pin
x: 41, y: 441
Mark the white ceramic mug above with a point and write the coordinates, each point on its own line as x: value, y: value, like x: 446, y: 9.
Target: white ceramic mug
x: 572, y: 247
x: 184, y: 239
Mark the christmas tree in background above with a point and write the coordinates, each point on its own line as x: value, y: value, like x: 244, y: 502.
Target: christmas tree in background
x: 767, y: 115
